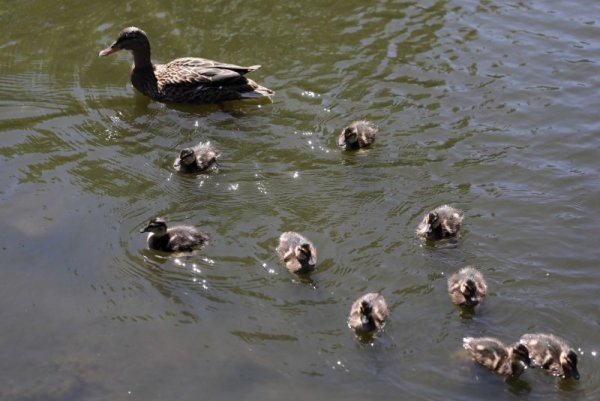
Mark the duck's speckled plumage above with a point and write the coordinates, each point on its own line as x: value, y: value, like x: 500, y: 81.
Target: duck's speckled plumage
x: 553, y: 354
x: 173, y: 239
x: 296, y: 252
x: 196, y: 159
x: 442, y: 222
x: 509, y: 361
x: 368, y: 314
x: 467, y: 287
x: 185, y: 80
x: 359, y: 134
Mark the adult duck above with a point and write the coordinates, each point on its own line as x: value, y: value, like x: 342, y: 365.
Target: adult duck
x: 184, y: 80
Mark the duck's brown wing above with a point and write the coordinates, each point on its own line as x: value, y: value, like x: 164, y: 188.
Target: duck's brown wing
x: 196, y: 80
x: 199, y: 71
x: 196, y: 62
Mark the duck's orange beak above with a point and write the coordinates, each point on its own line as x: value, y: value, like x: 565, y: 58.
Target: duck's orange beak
x: 108, y: 51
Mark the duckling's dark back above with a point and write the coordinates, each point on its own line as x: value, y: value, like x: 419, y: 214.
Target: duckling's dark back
x: 368, y: 313
x: 552, y: 353
x: 470, y: 277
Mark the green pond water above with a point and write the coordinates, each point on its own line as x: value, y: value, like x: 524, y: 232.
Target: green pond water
x: 485, y: 105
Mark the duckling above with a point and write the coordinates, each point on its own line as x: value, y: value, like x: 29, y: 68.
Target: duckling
x: 553, y: 354
x: 174, y: 239
x: 296, y: 252
x: 197, y: 158
x: 467, y: 287
x: 359, y: 134
x: 490, y: 352
x: 368, y: 314
x: 442, y: 222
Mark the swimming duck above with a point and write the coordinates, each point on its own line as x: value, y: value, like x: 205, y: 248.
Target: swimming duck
x: 490, y: 352
x: 368, y: 314
x: 184, y: 80
x: 197, y: 158
x: 442, y: 222
x: 467, y: 287
x: 359, y: 134
x: 296, y: 252
x: 174, y: 239
x: 553, y: 354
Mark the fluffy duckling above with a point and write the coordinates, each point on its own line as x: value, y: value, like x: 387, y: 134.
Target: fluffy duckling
x: 359, y: 134
x: 508, y: 361
x: 442, y: 222
x: 197, y: 158
x: 296, y: 252
x: 467, y: 287
x: 368, y: 314
x: 174, y: 239
x: 553, y: 354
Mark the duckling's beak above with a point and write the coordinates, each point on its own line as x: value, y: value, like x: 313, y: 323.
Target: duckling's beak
x: 108, y: 51
x: 575, y: 374
x: 144, y: 230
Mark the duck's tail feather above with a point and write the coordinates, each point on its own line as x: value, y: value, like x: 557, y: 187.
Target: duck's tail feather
x: 257, y: 92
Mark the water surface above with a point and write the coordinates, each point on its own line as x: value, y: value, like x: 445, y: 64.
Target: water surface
x: 488, y: 106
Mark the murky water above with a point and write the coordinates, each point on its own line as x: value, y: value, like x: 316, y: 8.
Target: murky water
x: 489, y: 106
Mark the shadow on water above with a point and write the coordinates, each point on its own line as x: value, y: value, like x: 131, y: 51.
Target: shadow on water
x: 305, y: 279
x: 466, y: 312
x: 518, y: 386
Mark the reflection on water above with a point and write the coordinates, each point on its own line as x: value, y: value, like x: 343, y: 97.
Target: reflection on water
x: 481, y: 105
